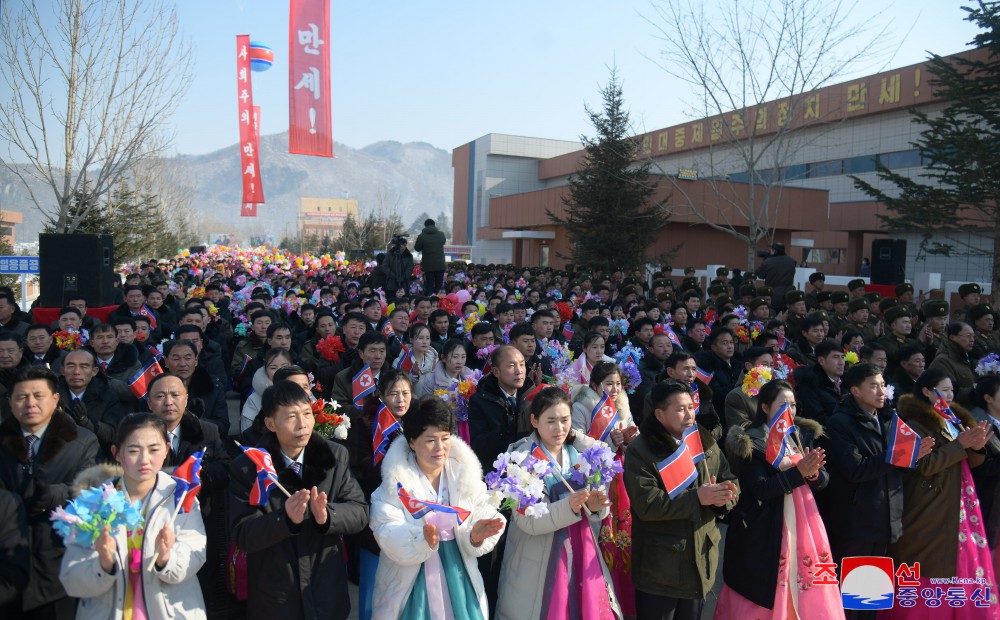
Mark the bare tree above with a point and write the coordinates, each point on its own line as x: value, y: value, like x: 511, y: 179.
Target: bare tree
x: 754, y: 66
x: 91, y: 82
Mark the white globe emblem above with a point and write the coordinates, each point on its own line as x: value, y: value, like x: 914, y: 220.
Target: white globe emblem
x: 267, y: 461
x: 905, y: 431
x: 365, y: 380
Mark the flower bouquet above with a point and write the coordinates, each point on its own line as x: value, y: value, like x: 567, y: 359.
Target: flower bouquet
x: 69, y: 339
x: 596, y: 468
x: 989, y: 365
x: 329, y: 423
x: 518, y: 483
x: 485, y: 353
x: 851, y: 358
x: 631, y: 378
x: 466, y: 324
x: 890, y: 392
x: 743, y: 334
x: 783, y: 367
x: 330, y: 348
x: 83, y: 519
x: 559, y: 355
x: 755, y: 379
x: 619, y: 327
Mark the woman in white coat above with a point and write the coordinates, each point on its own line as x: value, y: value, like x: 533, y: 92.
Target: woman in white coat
x: 263, y: 379
x: 449, y: 369
x: 151, y: 571
x: 425, y: 358
x: 428, y: 566
x: 577, y: 374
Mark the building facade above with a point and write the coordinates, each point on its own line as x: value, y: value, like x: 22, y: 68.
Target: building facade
x: 324, y: 217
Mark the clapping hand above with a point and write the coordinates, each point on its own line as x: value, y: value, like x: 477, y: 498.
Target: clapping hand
x: 431, y: 535
x: 485, y: 528
x: 164, y: 543
x: 106, y: 548
x: 713, y: 494
x: 975, y: 437
x: 811, y: 462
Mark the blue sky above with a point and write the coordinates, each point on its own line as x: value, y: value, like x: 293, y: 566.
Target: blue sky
x: 447, y: 72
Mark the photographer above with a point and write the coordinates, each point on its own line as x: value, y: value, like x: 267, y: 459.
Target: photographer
x: 431, y: 242
x: 778, y: 272
x: 398, y: 266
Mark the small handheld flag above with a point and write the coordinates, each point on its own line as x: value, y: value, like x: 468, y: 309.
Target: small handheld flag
x: 674, y: 340
x: 537, y: 452
x: 677, y: 471
x: 567, y: 331
x: 149, y: 314
x: 387, y: 330
x: 944, y: 409
x: 139, y: 383
x: 603, y: 419
x: 703, y: 376
x: 696, y: 398
x: 782, y: 343
x: 782, y: 424
x: 692, y: 439
x: 187, y: 478
x: 904, y: 444
x: 243, y: 367
x: 405, y: 363
x: 385, y: 425
x: 419, y: 508
x: 260, y: 492
x: 363, y: 385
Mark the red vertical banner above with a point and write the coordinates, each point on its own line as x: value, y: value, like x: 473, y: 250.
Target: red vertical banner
x: 253, y: 191
x: 310, y: 124
x: 250, y: 208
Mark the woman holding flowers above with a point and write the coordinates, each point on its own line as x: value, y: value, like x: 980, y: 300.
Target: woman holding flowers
x: 776, y: 534
x: 428, y: 563
x: 577, y: 375
x: 148, y: 571
x: 424, y: 356
x: 395, y: 389
x: 449, y: 369
x: 552, y: 566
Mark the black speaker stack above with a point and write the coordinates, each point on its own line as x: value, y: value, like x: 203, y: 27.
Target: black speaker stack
x: 71, y: 265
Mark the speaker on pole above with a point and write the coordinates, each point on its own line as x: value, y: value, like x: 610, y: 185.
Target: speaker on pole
x: 76, y: 265
x: 888, y: 261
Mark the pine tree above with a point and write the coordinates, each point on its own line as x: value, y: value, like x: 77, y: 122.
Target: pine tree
x: 959, y: 189
x: 610, y: 218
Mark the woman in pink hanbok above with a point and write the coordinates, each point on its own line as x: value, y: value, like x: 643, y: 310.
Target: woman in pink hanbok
x: 776, y: 537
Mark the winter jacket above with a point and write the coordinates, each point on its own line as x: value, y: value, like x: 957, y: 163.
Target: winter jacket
x: 124, y: 364
x: 401, y: 536
x: 778, y: 272
x: 65, y: 451
x: 708, y: 418
x: 14, y: 550
x: 584, y: 404
x: 252, y: 407
x: 987, y: 479
x: 493, y: 423
x: 213, y: 407
x: 398, y: 267
x: 816, y: 393
x: 171, y: 592
x: 753, y: 540
x: 430, y: 242
x: 529, y: 547
x: 425, y: 366
x: 740, y: 408
x: 296, y: 571
x: 100, y: 412
x: 53, y: 358
x: 959, y: 366
x: 933, y: 492
x: 675, y: 542
x: 865, y: 494
x: 437, y: 379
x: 724, y: 376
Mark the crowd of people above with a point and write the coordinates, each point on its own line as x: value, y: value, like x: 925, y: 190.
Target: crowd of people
x: 375, y: 423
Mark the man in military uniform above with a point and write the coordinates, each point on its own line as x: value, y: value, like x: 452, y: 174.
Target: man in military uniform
x: 971, y: 294
x: 874, y: 311
x: 856, y: 288
x: 935, y: 312
x: 795, y: 302
x: 904, y: 293
x: 839, y: 320
x: 666, y: 301
x: 982, y: 319
x: 817, y: 280
x: 767, y: 293
x: 825, y: 301
x: 715, y: 291
x: 857, y: 317
x: 899, y: 323
x: 747, y: 292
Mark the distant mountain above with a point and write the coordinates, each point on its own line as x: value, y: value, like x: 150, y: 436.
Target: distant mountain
x: 415, y: 177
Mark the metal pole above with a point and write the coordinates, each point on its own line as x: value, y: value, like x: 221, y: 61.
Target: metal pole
x: 24, y: 290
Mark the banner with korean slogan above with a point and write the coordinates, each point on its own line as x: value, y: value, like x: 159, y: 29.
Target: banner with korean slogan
x: 249, y: 209
x: 310, y: 122
x: 253, y: 191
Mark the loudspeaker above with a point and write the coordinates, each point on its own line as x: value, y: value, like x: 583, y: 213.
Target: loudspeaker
x: 197, y: 249
x: 888, y: 261
x: 72, y: 265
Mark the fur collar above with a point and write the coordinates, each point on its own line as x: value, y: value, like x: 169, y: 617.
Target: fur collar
x: 922, y: 413
x: 663, y: 443
x: 201, y: 383
x: 95, y: 475
x: 318, y: 460
x: 465, y: 473
x: 61, y: 431
x: 191, y: 431
x: 581, y: 442
x: 742, y: 442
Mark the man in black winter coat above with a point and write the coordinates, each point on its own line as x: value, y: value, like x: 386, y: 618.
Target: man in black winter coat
x: 819, y: 387
x: 41, y: 452
x: 207, y: 397
x: 88, y: 396
x: 14, y: 550
x: 494, y: 408
x: 865, y: 508
x: 778, y: 272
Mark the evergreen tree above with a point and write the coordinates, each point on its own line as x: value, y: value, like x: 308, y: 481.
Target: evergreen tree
x: 609, y: 216
x: 959, y: 189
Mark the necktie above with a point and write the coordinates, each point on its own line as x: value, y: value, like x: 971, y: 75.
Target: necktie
x: 296, y: 467
x: 836, y: 386
x: 29, y: 442
x: 104, y: 366
x: 512, y: 403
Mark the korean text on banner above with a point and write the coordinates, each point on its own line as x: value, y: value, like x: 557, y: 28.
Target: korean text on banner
x: 253, y: 192
x: 310, y: 122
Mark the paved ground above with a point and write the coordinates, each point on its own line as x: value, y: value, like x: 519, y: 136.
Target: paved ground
x: 234, y: 420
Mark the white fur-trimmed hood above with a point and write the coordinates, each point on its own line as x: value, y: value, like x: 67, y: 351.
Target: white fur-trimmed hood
x: 463, y: 467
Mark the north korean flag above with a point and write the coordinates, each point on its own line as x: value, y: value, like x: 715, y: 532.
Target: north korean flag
x: 782, y: 424
x: 363, y: 385
x: 139, y: 383
x: 147, y: 312
x: 603, y: 419
x: 567, y: 331
x: 405, y: 363
x: 677, y: 471
x: 419, y: 508
x: 696, y: 397
x: 692, y: 439
x: 385, y: 425
x: 904, y: 444
x: 387, y: 330
x: 703, y: 375
x: 187, y: 478
x: 944, y: 409
x: 537, y: 452
x: 261, y: 490
x: 672, y: 336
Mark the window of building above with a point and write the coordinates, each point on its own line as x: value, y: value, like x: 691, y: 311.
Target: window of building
x: 823, y: 256
x: 900, y: 159
x: 829, y: 168
x: 857, y: 165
